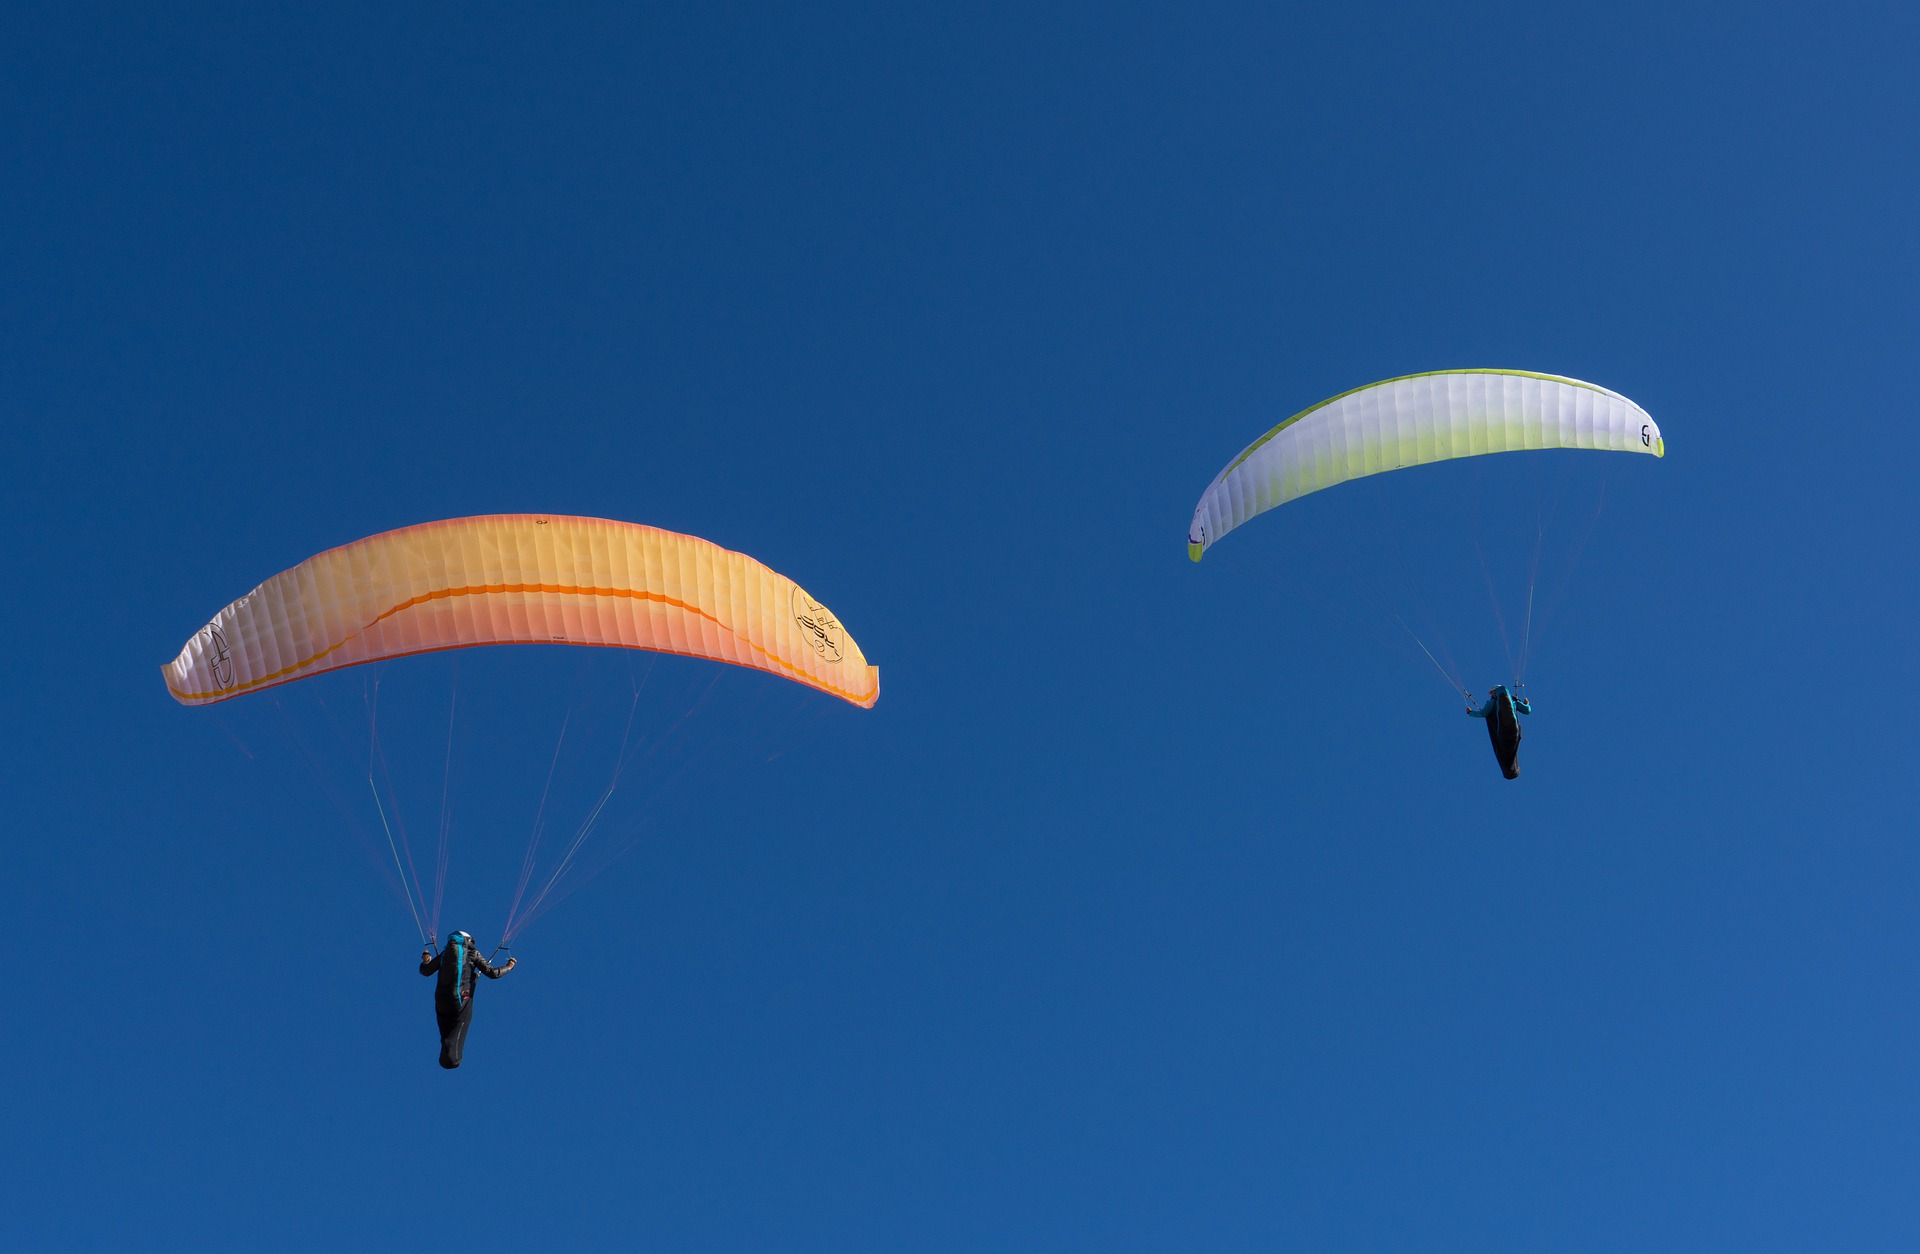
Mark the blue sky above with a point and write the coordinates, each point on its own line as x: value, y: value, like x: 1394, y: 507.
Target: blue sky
x: 1149, y: 909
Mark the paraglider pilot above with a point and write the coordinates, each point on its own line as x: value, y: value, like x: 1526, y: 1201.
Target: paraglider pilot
x: 1503, y: 726
x: 460, y: 966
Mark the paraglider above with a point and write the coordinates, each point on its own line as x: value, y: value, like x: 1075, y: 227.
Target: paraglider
x: 459, y: 967
x: 1503, y: 726
x: 519, y: 579
x: 1416, y: 420
x: 513, y: 579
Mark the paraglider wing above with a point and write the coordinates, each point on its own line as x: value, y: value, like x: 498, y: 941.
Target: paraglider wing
x: 1411, y: 421
x: 519, y: 579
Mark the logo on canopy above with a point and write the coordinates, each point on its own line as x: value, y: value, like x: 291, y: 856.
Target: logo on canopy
x: 219, y: 659
x: 819, y: 626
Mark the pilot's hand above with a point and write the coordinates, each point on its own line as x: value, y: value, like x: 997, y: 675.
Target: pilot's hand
x: 511, y: 963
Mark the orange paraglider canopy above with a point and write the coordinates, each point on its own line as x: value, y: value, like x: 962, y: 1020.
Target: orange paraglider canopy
x: 519, y: 579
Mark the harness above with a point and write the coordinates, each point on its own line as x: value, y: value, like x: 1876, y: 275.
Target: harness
x: 460, y: 941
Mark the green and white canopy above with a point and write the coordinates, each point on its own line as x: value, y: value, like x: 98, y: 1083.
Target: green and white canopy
x: 1411, y: 421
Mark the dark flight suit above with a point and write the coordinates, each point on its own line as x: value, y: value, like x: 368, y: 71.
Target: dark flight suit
x: 460, y: 966
x: 1503, y: 727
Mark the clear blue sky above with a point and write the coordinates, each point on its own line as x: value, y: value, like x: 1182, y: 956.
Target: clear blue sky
x: 1146, y: 911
